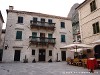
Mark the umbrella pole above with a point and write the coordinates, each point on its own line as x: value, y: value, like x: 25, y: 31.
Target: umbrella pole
x: 76, y: 48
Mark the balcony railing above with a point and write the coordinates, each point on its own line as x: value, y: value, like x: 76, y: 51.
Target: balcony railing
x: 44, y: 25
x: 42, y: 40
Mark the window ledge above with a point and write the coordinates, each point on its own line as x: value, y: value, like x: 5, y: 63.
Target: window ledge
x: 20, y: 23
x: 96, y: 34
x: 63, y: 42
x: 18, y: 40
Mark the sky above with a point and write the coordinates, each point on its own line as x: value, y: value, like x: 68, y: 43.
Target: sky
x: 52, y: 7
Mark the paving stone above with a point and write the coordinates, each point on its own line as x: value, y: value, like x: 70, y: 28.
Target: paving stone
x: 55, y: 68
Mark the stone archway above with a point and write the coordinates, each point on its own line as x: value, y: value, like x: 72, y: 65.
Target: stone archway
x: 97, y: 51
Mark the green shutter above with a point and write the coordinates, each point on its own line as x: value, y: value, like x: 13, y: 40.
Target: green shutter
x: 34, y: 34
x: 62, y: 38
x: 49, y: 35
x: 19, y: 35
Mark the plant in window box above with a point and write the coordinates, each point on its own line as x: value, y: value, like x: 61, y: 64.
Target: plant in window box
x: 25, y: 60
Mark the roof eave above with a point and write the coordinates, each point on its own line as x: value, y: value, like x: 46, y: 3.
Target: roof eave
x: 82, y: 4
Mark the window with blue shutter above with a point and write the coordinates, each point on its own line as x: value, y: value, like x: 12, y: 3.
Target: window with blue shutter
x: 62, y: 38
x: 62, y: 24
x: 19, y: 35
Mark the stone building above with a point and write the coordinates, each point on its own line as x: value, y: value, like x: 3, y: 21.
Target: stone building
x: 89, y: 18
x: 36, y: 36
x: 1, y: 24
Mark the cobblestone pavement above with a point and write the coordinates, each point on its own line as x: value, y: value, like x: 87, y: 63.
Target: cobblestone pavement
x: 55, y: 68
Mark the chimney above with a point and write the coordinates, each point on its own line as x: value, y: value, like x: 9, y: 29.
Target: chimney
x: 11, y: 7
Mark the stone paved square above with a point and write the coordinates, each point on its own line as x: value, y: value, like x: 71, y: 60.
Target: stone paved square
x: 42, y: 68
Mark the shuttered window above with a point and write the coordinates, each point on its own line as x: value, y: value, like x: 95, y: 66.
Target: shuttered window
x: 62, y: 38
x: 34, y: 34
x: 49, y: 35
x: 19, y: 35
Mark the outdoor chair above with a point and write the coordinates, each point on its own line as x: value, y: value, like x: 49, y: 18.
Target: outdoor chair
x: 84, y: 63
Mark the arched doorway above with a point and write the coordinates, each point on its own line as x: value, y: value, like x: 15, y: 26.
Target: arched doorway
x: 97, y: 51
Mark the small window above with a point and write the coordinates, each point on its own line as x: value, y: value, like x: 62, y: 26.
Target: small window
x: 50, y: 52
x: 49, y: 35
x: 19, y: 35
x: 20, y: 19
x: 42, y: 20
x: 62, y: 38
x: 34, y: 34
x: 33, y: 52
x: 96, y: 28
x: 93, y: 5
x: 49, y: 21
x: 62, y: 24
x: 34, y: 19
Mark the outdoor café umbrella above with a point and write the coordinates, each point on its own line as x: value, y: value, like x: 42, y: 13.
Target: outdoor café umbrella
x: 78, y: 50
x: 77, y: 46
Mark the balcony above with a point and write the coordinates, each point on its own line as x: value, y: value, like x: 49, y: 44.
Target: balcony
x: 42, y: 25
x: 44, y: 41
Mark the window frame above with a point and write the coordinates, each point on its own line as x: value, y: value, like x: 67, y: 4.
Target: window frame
x: 33, y: 51
x: 35, y: 19
x: 50, y: 52
x: 63, y: 39
x: 93, y: 5
x: 50, y: 21
x: 96, y: 28
x: 50, y: 35
x: 20, y: 19
x: 17, y: 35
x: 62, y: 24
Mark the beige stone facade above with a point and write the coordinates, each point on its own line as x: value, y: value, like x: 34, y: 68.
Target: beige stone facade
x: 88, y: 17
x: 26, y: 44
